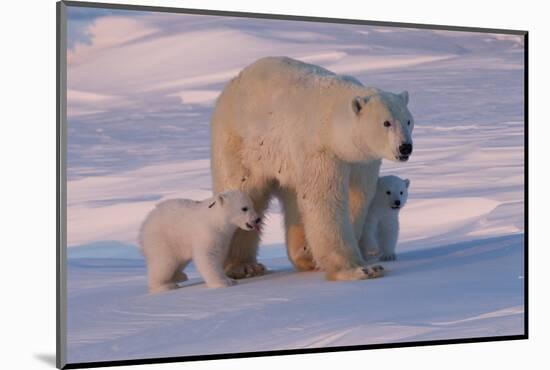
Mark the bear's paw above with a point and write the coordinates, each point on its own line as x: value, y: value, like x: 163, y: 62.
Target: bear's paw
x: 245, y: 270
x: 356, y: 273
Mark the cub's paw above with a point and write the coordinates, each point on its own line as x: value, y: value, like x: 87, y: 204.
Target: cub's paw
x: 245, y: 270
x: 388, y: 257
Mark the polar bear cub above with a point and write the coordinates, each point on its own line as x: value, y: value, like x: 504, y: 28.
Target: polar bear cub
x: 381, y: 230
x: 180, y: 230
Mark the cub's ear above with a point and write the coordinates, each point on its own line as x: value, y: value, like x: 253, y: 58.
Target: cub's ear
x: 405, y: 97
x: 407, y: 183
x: 358, y: 103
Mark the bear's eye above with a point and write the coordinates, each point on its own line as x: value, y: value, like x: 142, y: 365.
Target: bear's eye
x: 244, y: 209
x: 408, y: 122
x: 387, y: 124
x: 401, y: 193
x: 388, y: 192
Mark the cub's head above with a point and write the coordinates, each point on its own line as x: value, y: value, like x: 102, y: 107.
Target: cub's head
x: 238, y: 209
x: 379, y: 126
x: 392, y: 192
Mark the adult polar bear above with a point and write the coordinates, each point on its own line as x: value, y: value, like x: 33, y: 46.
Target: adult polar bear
x: 315, y: 139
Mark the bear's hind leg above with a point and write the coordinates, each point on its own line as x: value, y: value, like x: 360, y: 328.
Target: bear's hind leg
x: 297, y: 249
x: 300, y: 255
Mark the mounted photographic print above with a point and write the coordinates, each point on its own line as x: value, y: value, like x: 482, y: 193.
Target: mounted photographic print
x: 236, y: 184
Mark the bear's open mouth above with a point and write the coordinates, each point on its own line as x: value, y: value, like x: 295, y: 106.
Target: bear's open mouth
x: 403, y: 158
x: 250, y: 227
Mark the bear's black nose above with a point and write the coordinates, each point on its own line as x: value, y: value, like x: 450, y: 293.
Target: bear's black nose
x: 258, y: 220
x: 397, y: 202
x: 406, y: 149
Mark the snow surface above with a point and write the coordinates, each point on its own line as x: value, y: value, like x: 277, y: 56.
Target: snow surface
x: 140, y: 96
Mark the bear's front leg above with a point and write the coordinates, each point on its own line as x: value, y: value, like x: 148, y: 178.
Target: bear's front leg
x: 323, y: 201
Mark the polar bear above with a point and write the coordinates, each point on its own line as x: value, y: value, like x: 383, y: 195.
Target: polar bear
x: 179, y: 230
x: 300, y: 132
x: 381, y: 230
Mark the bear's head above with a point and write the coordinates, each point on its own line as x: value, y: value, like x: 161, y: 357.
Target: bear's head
x: 392, y: 192
x: 238, y: 209
x: 377, y: 125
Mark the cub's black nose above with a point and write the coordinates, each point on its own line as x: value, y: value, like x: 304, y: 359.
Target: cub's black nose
x: 258, y: 220
x: 405, y: 149
x: 397, y: 202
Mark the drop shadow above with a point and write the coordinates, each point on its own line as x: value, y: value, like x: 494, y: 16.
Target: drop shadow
x: 47, y: 358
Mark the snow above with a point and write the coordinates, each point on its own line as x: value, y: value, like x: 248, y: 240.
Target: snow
x: 139, y: 134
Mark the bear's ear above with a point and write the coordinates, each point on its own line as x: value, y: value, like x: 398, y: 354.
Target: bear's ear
x: 405, y: 97
x: 407, y: 183
x: 358, y: 103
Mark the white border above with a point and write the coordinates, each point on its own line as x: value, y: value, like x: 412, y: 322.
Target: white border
x: 28, y: 184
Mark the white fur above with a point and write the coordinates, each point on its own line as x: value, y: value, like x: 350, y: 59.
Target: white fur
x: 180, y: 230
x: 381, y: 230
x: 303, y: 133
